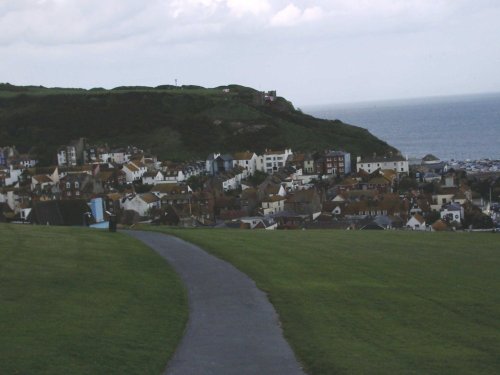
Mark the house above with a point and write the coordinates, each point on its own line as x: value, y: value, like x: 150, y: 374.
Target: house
x: 118, y: 156
x: 72, y: 185
x: 246, y: 160
x: 416, y: 222
x: 272, y: 205
x: 66, y: 155
x: 72, y: 154
x: 134, y: 171
x: 141, y: 203
x: 231, y: 180
x: 217, y: 163
x: 174, y: 175
x: 153, y: 178
x: 451, y: 212
x: 91, y: 154
x: 271, y: 161
x: 334, y: 163
x: 442, y: 198
x: 397, y: 163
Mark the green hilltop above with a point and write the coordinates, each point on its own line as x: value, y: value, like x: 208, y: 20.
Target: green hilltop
x: 173, y: 122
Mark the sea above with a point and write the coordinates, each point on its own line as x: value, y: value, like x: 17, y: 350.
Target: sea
x: 452, y: 128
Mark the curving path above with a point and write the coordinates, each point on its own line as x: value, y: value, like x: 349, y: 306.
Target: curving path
x: 232, y: 327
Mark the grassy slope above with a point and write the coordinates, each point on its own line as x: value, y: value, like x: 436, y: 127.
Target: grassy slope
x: 77, y: 301
x: 173, y: 123
x: 372, y: 302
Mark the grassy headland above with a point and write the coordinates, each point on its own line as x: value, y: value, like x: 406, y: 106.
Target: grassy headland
x: 376, y: 302
x: 78, y: 301
x: 173, y: 122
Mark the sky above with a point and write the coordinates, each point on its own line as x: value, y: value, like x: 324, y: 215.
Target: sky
x: 310, y: 51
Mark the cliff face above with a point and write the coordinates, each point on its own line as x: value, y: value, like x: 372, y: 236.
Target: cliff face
x: 173, y: 122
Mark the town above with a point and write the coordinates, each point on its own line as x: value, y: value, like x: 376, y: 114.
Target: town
x: 276, y: 189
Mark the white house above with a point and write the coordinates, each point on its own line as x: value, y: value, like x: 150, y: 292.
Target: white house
x: 452, y: 212
x: 416, y: 222
x: 66, y: 156
x: 271, y: 160
x: 134, y: 171
x: 115, y: 156
x: 140, y: 203
x: 153, y: 178
x: 174, y: 176
x: 397, y: 163
x: 273, y: 205
x: 246, y: 160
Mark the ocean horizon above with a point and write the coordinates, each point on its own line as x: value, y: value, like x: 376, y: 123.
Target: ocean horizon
x: 451, y: 127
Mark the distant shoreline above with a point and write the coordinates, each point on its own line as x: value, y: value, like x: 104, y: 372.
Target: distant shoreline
x: 398, y: 102
x: 462, y: 127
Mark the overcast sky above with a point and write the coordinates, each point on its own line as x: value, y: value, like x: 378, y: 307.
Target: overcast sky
x: 310, y: 51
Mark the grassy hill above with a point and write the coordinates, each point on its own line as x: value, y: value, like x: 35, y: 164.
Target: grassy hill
x: 376, y: 302
x: 80, y: 301
x: 173, y: 122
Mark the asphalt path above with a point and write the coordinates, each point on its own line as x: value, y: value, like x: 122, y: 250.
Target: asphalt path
x: 232, y: 327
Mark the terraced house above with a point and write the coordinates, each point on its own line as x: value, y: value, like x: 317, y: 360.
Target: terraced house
x: 397, y: 163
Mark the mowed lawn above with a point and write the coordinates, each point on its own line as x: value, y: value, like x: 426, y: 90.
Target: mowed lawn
x: 376, y: 302
x: 82, y: 301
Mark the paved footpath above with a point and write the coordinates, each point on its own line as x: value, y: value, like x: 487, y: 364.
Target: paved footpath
x: 232, y: 327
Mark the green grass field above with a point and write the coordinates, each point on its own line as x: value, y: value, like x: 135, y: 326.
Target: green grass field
x: 80, y: 301
x: 376, y: 302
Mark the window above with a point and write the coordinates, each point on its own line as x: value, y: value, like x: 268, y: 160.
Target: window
x: 68, y: 185
x: 77, y: 185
